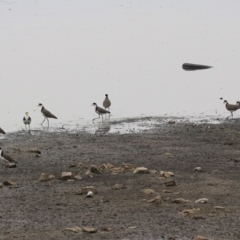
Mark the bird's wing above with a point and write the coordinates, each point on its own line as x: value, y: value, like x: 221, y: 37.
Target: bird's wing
x: 232, y: 107
x: 9, y: 158
x: 101, y: 110
x: 48, y: 114
x: 1, y: 131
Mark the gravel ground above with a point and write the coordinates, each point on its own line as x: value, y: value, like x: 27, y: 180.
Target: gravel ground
x: 42, y: 210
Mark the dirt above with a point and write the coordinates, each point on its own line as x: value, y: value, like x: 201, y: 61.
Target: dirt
x: 43, y: 210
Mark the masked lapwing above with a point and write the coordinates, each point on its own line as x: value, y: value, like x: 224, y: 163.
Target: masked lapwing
x: 46, y: 113
x: 106, y: 102
x: 99, y: 111
x: 27, y: 121
x: 1, y: 131
x: 231, y: 107
x: 6, y: 158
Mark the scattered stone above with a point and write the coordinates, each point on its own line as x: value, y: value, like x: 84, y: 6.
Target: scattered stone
x: 90, y: 229
x: 177, y: 193
x: 128, y: 166
x: 170, y: 184
x: 34, y: 150
x: 133, y: 227
x: 180, y: 200
x: 201, y: 238
x: 218, y: 207
x: 202, y: 200
x: 106, y: 229
x: 115, y: 171
x: 168, y: 154
x: 166, y: 174
x: 95, y: 169
x: 1, y: 185
x: 66, y: 175
x: 46, y: 177
x: 171, y: 122
x: 148, y: 191
x: 70, y: 180
x: 117, y: 186
x: 81, y: 166
x: 85, y: 190
x: 198, y: 169
x: 89, y: 194
x: 37, y: 155
x: 11, y: 165
x: 167, y: 191
x: 141, y: 170
x: 190, y: 212
x: 89, y: 173
x: 106, y: 166
x: 228, y: 143
x: 9, y: 183
x: 153, y: 171
x: 74, y: 229
x: 78, y: 176
x: 156, y: 199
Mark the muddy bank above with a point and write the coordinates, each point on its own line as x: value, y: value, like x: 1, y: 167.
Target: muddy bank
x: 42, y: 210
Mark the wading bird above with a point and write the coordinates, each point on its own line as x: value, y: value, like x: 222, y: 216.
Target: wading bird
x: 99, y: 111
x: 46, y: 114
x: 27, y: 121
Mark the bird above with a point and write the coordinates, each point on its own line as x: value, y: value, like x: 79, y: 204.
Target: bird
x: 27, y: 120
x: 46, y: 114
x: 1, y: 131
x: 99, y: 111
x: 231, y: 107
x: 6, y: 158
x: 106, y: 102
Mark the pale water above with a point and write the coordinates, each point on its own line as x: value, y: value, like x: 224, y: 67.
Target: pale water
x: 69, y: 54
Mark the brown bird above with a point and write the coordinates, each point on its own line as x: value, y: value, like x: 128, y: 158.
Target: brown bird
x: 107, y: 102
x: 6, y: 158
x: 231, y: 107
x: 46, y: 114
x: 1, y: 131
x: 99, y: 111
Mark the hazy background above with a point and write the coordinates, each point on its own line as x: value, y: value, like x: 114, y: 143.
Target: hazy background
x: 68, y: 54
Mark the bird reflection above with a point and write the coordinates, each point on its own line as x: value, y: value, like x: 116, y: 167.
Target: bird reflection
x: 103, y: 128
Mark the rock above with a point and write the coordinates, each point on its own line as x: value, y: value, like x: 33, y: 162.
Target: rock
x: 180, y: 200
x: 94, y: 169
x: 166, y: 174
x: 118, y: 186
x: 89, y: 173
x: 73, y: 229
x: 167, y: 191
x: 90, y: 229
x: 66, y: 175
x: 115, y: 171
x: 9, y: 183
x: 46, y: 177
x: 188, y: 212
x: 198, y: 169
x: 81, y: 166
x: 171, y: 122
x: 156, y: 199
x: 168, y: 154
x: 1, y: 185
x: 11, y: 165
x: 170, y: 184
x: 218, y: 207
x: 89, y: 194
x: 70, y: 180
x: 141, y: 170
x: 201, y: 238
x: 153, y: 171
x: 78, y: 176
x: 128, y: 166
x: 106, y: 166
x: 105, y: 229
x: 202, y: 200
x: 85, y: 190
x: 148, y: 191
x: 34, y: 150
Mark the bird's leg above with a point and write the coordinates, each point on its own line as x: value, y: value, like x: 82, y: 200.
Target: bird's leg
x: 29, y: 128
x: 48, y: 122
x: 232, y: 115
x: 25, y: 127
x: 43, y: 121
x: 96, y: 118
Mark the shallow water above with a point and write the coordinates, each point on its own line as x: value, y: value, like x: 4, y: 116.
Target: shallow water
x: 67, y: 55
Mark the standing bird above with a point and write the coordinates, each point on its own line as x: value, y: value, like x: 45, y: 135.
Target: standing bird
x: 46, y: 114
x: 6, y: 158
x: 231, y: 107
x: 27, y: 120
x: 1, y: 131
x: 99, y: 111
x: 107, y: 102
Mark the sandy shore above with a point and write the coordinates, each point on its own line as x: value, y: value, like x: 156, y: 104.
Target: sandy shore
x: 42, y: 210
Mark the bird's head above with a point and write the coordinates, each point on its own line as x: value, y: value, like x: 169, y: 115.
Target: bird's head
x: 225, y: 101
x: 106, y: 95
x: 26, y: 113
x: 39, y: 105
x: 238, y: 103
x: 94, y: 104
